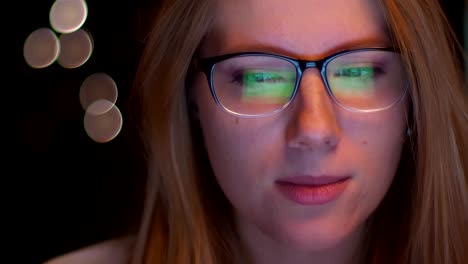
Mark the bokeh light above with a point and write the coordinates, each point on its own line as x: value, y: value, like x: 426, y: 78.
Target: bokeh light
x: 96, y: 87
x: 105, y: 126
x: 67, y: 16
x: 41, y: 48
x: 75, y: 49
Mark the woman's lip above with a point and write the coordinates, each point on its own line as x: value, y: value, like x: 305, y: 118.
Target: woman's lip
x: 313, y: 194
x: 313, y: 180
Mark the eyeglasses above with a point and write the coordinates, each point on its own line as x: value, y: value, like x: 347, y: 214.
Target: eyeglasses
x: 256, y: 84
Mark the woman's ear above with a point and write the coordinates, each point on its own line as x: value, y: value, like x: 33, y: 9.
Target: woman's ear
x: 410, y: 125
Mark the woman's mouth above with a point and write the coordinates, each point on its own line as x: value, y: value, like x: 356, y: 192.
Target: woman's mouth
x: 313, y: 190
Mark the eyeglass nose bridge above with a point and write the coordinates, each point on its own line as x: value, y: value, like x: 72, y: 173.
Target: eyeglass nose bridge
x: 309, y: 64
x: 305, y: 64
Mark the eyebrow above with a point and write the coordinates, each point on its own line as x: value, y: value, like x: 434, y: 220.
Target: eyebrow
x: 370, y: 42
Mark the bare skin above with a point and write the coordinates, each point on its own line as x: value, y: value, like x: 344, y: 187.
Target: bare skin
x: 313, y: 136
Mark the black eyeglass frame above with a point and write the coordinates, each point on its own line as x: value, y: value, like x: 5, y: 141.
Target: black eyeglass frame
x: 207, y: 66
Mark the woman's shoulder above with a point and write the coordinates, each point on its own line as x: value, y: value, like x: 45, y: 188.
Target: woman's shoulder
x: 114, y: 251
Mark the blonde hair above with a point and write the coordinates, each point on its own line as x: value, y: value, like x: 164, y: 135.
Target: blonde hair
x: 187, y: 219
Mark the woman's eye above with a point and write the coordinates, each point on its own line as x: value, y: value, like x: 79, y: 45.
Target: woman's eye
x: 263, y: 85
x: 249, y: 77
x: 263, y: 77
x: 365, y: 78
x: 358, y: 72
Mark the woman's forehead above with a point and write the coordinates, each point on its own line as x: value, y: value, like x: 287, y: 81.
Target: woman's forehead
x: 302, y: 28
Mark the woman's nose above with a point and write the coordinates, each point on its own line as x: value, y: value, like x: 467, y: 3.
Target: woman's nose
x: 314, y: 125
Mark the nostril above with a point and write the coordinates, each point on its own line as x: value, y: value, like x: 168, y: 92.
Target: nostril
x: 312, y: 142
x: 302, y: 145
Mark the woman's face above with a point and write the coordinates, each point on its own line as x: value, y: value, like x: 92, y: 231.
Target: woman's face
x: 274, y: 170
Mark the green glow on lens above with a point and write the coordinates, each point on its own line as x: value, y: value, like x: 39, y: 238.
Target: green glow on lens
x: 355, y: 80
x: 269, y: 86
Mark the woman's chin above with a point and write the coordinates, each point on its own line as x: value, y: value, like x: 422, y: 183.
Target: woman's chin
x: 314, y: 236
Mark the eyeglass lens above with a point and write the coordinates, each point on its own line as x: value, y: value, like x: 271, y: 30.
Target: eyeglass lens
x: 261, y: 84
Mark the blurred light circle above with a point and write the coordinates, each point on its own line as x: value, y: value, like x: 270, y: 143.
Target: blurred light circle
x: 96, y: 87
x: 102, y: 127
x: 99, y: 107
x: 41, y: 48
x: 75, y: 49
x: 67, y: 16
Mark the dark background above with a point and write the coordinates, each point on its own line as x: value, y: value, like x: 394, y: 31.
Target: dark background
x: 63, y: 190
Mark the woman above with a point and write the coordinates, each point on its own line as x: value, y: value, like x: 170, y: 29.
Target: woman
x: 302, y: 132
